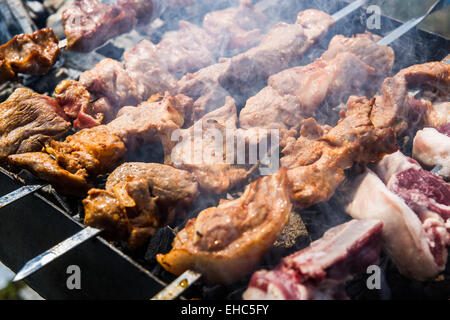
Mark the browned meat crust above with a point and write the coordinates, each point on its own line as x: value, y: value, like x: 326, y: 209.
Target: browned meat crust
x: 228, y: 241
x: 397, y: 108
x: 316, y: 163
x: 139, y: 198
x: 34, y: 53
x: 28, y: 121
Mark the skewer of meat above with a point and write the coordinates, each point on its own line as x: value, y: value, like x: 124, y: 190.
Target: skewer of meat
x: 31, y: 267
x: 350, y: 66
x: 313, y: 170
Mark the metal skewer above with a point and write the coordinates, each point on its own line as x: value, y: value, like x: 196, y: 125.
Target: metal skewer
x: 189, y: 276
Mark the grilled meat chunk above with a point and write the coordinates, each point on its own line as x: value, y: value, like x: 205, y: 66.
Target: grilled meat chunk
x: 90, y: 23
x: 109, y: 79
x: 76, y: 102
x: 349, y: 66
x: 139, y: 198
x: 235, y: 29
x: 319, y: 272
x: 34, y: 53
x: 209, y: 149
x: 98, y: 150
x: 413, y: 205
x: 397, y: 108
x: 245, y: 74
x: 28, y: 121
x: 226, y: 242
x: 431, y: 147
x: 316, y: 162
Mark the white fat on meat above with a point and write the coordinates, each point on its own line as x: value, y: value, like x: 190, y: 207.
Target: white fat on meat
x: 432, y: 148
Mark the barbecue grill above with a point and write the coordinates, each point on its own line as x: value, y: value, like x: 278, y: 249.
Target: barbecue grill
x: 38, y: 221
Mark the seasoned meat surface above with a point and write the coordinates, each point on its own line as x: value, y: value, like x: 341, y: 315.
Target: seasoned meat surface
x: 34, y: 53
x: 399, y: 109
x: 139, y: 198
x: 226, y: 242
x: 90, y: 23
x: 28, y: 121
x: 98, y: 150
x: 316, y: 164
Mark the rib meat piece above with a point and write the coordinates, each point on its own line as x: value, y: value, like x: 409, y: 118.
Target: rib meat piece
x: 28, y: 121
x: 98, y: 150
x: 320, y: 271
x: 243, y: 75
x: 316, y: 160
x: 349, y: 66
x: 34, y: 53
x: 139, y: 198
x: 415, y: 241
x: 431, y: 148
x: 399, y: 109
x: 226, y: 242
x: 90, y: 23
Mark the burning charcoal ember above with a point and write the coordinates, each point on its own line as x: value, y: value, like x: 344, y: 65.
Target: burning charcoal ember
x: 226, y: 242
x: 399, y: 109
x: 209, y: 150
x: 139, y: 198
x: 317, y: 159
x: 431, y: 148
x: 34, y: 53
x: 95, y: 151
x: 321, y: 270
x: 344, y: 69
x: 282, y: 47
x: 414, y: 207
x: 28, y: 121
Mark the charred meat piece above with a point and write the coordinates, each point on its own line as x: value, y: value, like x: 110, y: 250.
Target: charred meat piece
x: 243, y: 75
x: 90, y: 23
x: 411, y: 204
x: 317, y: 159
x: 431, y: 148
x: 226, y: 242
x: 34, y: 53
x: 398, y: 108
x: 98, y: 150
x: 349, y: 66
x: 28, y: 121
x: 139, y: 198
x: 319, y: 272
